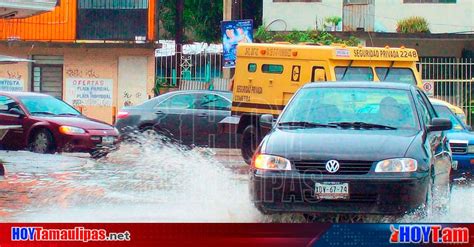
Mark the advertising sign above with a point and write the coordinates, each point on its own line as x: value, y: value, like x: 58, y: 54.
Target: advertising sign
x: 89, y: 92
x: 233, y: 33
x: 11, y: 85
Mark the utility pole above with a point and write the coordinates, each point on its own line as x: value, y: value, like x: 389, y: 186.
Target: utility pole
x: 179, y: 37
x: 236, y: 9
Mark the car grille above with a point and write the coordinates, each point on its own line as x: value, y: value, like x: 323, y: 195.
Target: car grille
x: 458, y: 147
x: 345, y: 167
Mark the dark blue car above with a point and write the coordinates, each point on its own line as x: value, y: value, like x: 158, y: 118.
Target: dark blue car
x: 461, y: 140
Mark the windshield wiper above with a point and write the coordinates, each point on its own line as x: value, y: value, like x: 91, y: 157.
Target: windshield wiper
x: 307, y: 124
x: 68, y: 114
x: 388, y: 71
x: 362, y: 125
x: 43, y: 112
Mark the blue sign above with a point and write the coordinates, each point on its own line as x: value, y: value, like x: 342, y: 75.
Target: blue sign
x: 233, y: 33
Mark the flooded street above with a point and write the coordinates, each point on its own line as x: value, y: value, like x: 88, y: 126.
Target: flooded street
x: 147, y: 183
x: 165, y: 184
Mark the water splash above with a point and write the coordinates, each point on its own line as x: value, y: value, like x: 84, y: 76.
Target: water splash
x: 149, y: 180
x: 154, y: 180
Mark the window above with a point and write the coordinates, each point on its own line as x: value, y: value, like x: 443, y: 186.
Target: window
x: 429, y: 1
x: 47, y: 106
x: 6, y: 104
x: 389, y: 107
x: 402, y: 75
x: 272, y: 68
x: 252, y: 67
x: 181, y: 101
x: 425, y: 115
x: 319, y: 74
x: 428, y: 104
x: 354, y: 73
x: 214, y: 102
x: 112, y: 19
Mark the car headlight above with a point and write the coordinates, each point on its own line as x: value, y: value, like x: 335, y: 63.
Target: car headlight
x: 470, y: 149
x: 68, y: 130
x: 397, y: 165
x: 271, y: 162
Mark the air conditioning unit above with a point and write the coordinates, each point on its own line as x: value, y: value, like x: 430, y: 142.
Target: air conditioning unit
x: 352, y: 2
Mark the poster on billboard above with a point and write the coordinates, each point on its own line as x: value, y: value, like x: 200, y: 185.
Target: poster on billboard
x: 11, y: 85
x: 89, y: 92
x: 233, y: 33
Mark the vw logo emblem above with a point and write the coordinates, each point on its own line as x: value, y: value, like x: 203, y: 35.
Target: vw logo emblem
x: 332, y: 166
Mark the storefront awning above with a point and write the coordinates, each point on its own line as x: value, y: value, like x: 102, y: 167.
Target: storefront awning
x: 25, y: 8
x: 10, y: 60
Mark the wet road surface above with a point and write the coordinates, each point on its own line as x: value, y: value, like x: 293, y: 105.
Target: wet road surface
x: 147, y: 183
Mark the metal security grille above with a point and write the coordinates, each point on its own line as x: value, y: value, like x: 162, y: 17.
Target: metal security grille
x: 190, y: 70
x: 452, y: 80
x: 48, y: 75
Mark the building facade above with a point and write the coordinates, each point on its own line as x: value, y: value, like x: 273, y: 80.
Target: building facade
x: 444, y: 16
x: 97, y: 55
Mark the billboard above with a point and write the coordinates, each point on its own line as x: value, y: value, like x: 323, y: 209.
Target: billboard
x: 233, y: 33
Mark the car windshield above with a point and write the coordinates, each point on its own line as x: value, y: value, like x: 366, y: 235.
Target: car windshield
x: 352, y: 107
x: 47, y: 106
x: 444, y: 112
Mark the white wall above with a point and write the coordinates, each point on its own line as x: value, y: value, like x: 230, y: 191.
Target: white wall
x: 443, y: 18
x: 299, y: 16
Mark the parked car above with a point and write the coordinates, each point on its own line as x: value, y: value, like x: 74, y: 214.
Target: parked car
x: 50, y: 125
x: 461, y: 140
x: 326, y: 155
x: 188, y: 117
x: 455, y: 109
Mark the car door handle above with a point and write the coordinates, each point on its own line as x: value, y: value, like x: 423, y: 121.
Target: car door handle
x: 159, y: 113
x: 202, y: 115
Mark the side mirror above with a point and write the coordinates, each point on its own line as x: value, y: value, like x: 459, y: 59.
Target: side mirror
x: 266, y: 121
x: 15, y: 111
x: 440, y: 124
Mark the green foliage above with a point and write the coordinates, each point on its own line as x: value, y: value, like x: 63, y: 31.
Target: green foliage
x: 309, y: 36
x: 333, y: 20
x: 414, y: 24
x: 201, y: 19
x: 262, y: 35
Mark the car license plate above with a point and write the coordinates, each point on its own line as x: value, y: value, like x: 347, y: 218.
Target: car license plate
x: 331, y: 190
x: 108, y: 140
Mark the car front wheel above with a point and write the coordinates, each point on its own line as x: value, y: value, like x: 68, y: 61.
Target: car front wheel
x: 43, y: 142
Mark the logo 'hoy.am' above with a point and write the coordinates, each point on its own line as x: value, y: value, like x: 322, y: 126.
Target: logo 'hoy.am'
x: 436, y: 234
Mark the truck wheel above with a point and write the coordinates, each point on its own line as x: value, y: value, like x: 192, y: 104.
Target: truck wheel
x: 250, y: 141
x: 43, y: 142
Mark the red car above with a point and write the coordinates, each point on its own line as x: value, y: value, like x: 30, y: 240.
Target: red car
x: 44, y: 124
